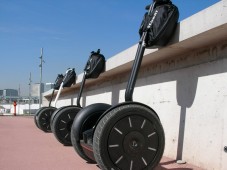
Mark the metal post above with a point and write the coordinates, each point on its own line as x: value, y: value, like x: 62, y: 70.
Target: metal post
x: 30, y: 81
x: 41, y: 74
x: 18, y: 102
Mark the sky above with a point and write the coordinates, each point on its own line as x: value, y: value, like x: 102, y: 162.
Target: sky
x: 68, y: 31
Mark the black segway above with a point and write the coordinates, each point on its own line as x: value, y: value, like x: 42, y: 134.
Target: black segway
x: 62, y: 118
x: 44, y: 115
x: 128, y: 135
x: 57, y: 85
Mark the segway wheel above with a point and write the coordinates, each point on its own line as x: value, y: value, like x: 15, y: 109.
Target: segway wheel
x: 129, y: 137
x: 62, y: 123
x: 36, y: 116
x: 43, y: 118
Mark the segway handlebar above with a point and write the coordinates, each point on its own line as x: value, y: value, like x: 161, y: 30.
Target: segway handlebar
x: 68, y: 70
x: 157, y: 1
x: 61, y: 87
x: 59, y: 91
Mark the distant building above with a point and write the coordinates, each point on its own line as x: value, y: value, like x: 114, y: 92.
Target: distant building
x: 48, y: 86
x: 1, y: 93
x: 10, y: 92
x: 8, y: 95
x: 35, y: 89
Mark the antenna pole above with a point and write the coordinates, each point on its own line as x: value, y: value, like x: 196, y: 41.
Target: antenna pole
x: 18, y: 101
x: 41, y: 75
x: 30, y: 82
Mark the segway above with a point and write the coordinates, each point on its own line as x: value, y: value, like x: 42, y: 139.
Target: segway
x: 128, y: 135
x: 62, y: 118
x: 57, y: 85
x: 44, y: 115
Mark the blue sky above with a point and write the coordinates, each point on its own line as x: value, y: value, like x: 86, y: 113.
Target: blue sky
x: 68, y: 31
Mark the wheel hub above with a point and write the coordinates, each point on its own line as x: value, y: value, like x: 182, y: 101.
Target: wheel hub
x: 134, y: 143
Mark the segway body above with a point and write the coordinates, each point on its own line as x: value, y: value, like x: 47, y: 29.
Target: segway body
x: 57, y: 85
x: 62, y: 118
x: 44, y: 116
x: 130, y: 134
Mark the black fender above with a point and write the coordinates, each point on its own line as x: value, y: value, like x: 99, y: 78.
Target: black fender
x: 38, y: 111
x: 86, y: 119
x: 121, y: 104
x: 56, y: 112
x: 89, y: 112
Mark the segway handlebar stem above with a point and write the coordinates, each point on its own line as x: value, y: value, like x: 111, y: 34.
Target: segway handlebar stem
x: 81, y: 89
x: 135, y: 70
x: 58, y: 94
x: 137, y: 63
x: 51, y: 97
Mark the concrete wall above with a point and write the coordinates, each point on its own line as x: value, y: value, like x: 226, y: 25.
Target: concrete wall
x: 184, y: 82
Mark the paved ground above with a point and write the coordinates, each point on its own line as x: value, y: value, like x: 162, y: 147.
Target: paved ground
x: 24, y: 147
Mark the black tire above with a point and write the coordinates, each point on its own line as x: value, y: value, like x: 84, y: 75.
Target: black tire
x: 129, y: 137
x: 85, y: 120
x: 43, y: 118
x: 54, y: 114
x: 62, y: 123
x: 36, y: 116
